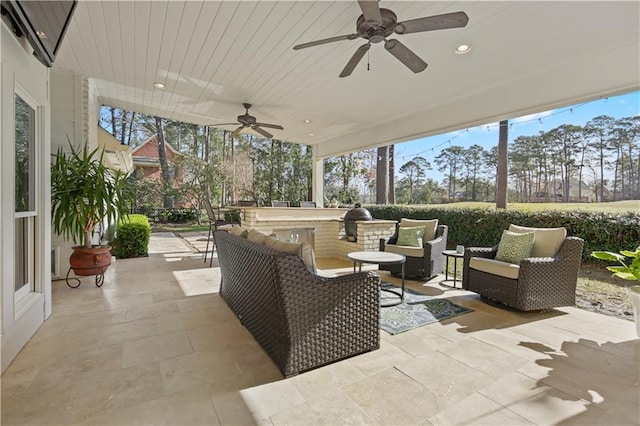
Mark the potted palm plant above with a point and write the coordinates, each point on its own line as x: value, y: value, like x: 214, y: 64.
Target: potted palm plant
x: 85, y: 193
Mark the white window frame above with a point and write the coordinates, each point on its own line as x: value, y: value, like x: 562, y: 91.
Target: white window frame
x: 31, y: 215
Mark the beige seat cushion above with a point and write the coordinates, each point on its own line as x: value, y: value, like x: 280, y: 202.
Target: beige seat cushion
x: 547, y: 241
x: 236, y: 230
x: 430, y: 226
x: 495, y: 267
x: 405, y: 250
x: 256, y: 236
x: 325, y: 274
x: 304, y: 250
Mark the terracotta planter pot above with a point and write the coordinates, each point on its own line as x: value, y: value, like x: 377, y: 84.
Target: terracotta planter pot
x: 90, y: 261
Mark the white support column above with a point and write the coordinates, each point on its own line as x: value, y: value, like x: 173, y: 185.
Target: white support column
x: 317, y: 178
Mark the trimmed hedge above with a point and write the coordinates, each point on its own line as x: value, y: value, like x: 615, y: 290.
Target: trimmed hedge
x: 483, y: 227
x: 132, y: 237
x: 181, y: 215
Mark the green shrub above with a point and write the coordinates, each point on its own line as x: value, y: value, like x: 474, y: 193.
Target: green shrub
x: 181, y: 215
x: 483, y: 227
x: 132, y: 237
x: 232, y: 216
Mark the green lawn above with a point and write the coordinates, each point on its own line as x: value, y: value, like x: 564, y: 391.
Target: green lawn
x: 611, y: 207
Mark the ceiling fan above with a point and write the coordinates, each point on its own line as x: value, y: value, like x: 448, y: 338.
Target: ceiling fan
x: 376, y: 24
x: 245, y: 120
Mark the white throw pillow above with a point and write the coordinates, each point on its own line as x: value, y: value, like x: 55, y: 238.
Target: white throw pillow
x: 304, y: 250
x: 238, y: 231
x: 256, y: 236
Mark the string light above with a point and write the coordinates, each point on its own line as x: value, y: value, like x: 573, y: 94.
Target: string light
x: 539, y: 119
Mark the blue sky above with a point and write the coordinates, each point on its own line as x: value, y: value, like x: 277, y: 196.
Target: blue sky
x: 487, y: 136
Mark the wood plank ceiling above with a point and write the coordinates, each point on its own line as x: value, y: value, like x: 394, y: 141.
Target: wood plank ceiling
x: 214, y: 55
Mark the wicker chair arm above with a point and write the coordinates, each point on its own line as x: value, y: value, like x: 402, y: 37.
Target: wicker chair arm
x: 568, y: 257
x: 435, y: 246
x: 545, y: 281
x: 469, y: 252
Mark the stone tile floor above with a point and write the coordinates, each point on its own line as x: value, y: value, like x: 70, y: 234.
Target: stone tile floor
x: 157, y: 345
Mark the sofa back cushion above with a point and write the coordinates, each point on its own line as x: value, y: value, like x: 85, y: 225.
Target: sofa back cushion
x: 256, y: 236
x: 547, y: 241
x: 238, y: 231
x: 430, y: 226
x: 304, y: 250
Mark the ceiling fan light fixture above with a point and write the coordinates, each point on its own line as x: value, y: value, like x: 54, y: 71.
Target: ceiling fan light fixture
x: 462, y: 49
x: 158, y: 85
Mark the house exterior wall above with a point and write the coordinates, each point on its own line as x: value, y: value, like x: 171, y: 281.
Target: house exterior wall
x: 21, y: 72
x: 74, y: 109
x: 146, y: 163
x: 146, y: 157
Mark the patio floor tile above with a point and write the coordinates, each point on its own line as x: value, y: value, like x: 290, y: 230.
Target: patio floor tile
x: 156, y: 344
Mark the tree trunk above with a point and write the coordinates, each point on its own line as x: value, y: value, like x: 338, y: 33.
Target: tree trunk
x: 224, y: 164
x: 381, y: 175
x: 113, y: 121
x: 123, y: 127
x: 133, y: 116
x: 392, y: 180
x: 164, y: 166
x: 501, y: 185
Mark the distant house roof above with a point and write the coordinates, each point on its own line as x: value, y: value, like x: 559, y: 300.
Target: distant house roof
x: 146, y: 154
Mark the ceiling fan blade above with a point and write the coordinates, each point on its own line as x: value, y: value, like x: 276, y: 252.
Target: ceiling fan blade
x: 431, y: 23
x: 355, y: 59
x: 406, y: 56
x: 236, y: 131
x: 262, y: 132
x: 371, y: 11
x: 325, y: 41
x: 222, y: 124
x: 270, y: 126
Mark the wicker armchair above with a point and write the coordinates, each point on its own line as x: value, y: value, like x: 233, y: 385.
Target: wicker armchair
x: 536, y: 283
x: 422, y: 262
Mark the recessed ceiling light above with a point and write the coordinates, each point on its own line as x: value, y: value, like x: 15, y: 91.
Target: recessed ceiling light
x: 158, y: 85
x: 462, y: 49
x: 307, y: 121
x: 311, y: 134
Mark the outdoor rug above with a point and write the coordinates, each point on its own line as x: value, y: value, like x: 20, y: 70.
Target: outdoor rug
x: 416, y: 310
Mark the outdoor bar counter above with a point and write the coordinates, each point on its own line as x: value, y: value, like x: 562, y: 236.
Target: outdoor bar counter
x: 325, y: 225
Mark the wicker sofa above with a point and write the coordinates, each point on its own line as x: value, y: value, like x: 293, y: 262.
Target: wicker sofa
x: 545, y: 280
x: 301, y: 319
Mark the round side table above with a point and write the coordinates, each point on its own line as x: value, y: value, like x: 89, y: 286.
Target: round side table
x: 380, y: 258
x: 455, y: 255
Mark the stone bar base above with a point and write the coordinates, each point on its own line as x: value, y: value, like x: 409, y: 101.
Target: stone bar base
x: 330, y: 239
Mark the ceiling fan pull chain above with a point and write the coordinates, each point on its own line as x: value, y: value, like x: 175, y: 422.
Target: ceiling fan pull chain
x: 368, y: 62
